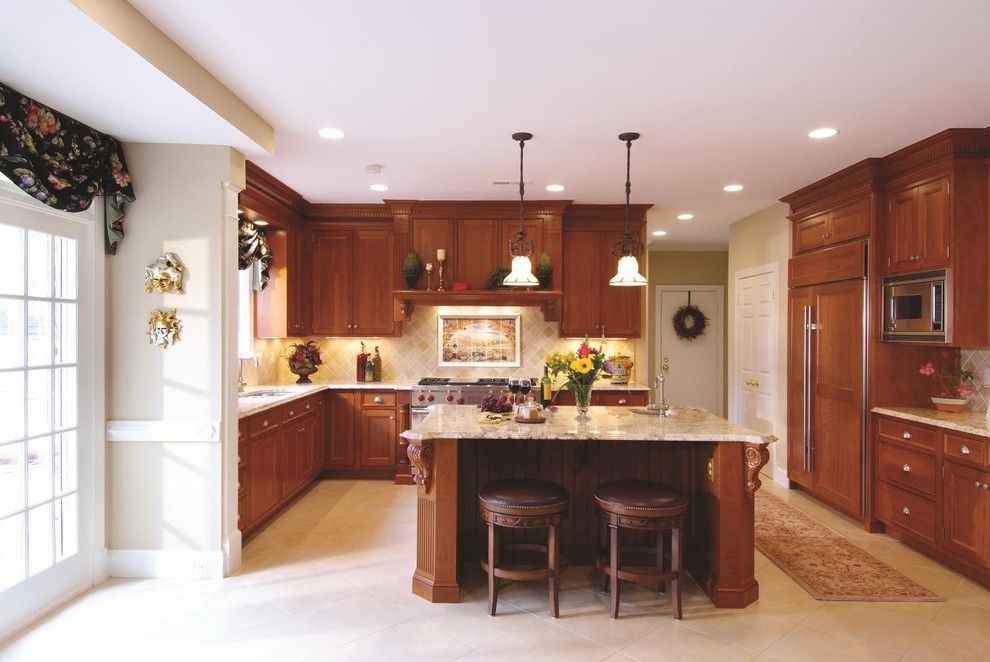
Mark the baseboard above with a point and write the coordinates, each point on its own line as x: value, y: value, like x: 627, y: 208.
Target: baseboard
x: 166, y: 563
x: 780, y: 476
x: 232, y: 553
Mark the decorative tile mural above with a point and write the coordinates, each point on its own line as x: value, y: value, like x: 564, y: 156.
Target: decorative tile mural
x: 414, y: 354
x: 976, y: 360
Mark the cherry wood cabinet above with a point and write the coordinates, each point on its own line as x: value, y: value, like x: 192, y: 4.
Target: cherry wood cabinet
x: 918, y: 226
x: 298, y: 454
x: 479, y: 252
x: 426, y: 236
x: 364, y: 434
x: 581, y: 311
x: 352, y: 282
x: 263, y: 472
x: 608, y: 398
x: 834, y: 225
x: 931, y: 491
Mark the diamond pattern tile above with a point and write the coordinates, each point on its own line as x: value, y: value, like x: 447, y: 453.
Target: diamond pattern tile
x: 977, y: 360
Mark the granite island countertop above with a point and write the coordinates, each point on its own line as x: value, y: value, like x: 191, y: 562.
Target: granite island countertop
x: 607, y: 423
x: 970, y: 422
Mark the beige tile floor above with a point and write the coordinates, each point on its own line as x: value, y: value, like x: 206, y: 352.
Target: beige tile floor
x: 330, y: 579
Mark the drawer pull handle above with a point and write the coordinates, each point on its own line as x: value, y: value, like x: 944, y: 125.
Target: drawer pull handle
x: 264, y: 423
x: 292, y: 412
x: 622, y: 401
x: 906, y: 468
x: 977, y: 483
x: 379, y: 399
x: 906, y: 510
x: 307, y: 406
x: 964, y: 449
x: 906, y: 435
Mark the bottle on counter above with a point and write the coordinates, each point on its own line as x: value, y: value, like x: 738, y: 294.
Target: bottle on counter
x: 546, y: 387
x: 362, y: 364
x: 376, y: 366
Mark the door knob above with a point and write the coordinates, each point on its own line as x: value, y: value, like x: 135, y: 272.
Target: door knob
x: 666, y: 364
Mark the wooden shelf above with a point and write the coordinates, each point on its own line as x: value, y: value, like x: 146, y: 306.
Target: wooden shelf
x: 547, y: 300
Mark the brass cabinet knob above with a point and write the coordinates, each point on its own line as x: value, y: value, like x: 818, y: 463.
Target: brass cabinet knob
x: 964, y: 449
x: 379, y: 400
x: 622, y: 401
x: 906, y: 435
x: 264, y: 423
x: 292, y: 412
x: 906, y: 468
x: 906, y: 510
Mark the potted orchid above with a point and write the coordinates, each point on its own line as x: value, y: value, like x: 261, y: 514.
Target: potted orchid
x: 954, y: 386
x: 581, y: 369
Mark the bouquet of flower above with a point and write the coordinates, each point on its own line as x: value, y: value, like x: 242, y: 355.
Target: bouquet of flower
x: 304, y: 355
x: 581, y: 369
x: 951, y: 382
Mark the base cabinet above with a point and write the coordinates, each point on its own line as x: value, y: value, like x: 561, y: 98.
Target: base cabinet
x: 932, y: 490
x: 364, y: 433
x: 278, y: 451
x: 608, y: 398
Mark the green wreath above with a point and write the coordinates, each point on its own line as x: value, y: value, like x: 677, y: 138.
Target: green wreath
x: 689, y: 322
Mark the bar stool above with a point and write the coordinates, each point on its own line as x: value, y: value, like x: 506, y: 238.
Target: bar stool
x: 523, y: 503
x: 641, y: 505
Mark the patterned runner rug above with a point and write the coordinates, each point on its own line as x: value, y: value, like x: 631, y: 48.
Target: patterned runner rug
x: 824, y: 563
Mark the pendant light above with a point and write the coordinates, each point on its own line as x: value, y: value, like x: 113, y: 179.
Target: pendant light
x: 521, y: 248
x: 629, y: 248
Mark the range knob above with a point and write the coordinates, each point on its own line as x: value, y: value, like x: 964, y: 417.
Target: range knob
x: 460, y: 400
x: 421, y: 397
x: 450, y: 396
x: 430, y: 398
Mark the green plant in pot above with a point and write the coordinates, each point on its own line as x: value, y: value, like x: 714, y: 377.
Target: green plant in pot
x: 412, y: 268
x: 495, y: 280
x: 544, y: 271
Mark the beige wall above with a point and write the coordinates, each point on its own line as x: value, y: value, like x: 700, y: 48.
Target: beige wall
x: 681, y: 268
x: 164, y: 493
x: 759, y: 239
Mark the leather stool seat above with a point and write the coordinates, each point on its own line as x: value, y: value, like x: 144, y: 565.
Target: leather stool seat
x: 639, y: 495
x: 510, y: 495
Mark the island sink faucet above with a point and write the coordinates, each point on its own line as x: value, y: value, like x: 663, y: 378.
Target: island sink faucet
x: 659, y: 403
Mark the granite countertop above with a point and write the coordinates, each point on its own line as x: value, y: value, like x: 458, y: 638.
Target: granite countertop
x: 970, y: 422
x: 250, y: 405
x: 607, y: 423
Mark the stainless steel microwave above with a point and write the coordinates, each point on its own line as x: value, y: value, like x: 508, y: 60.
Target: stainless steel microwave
x: 917, y: 307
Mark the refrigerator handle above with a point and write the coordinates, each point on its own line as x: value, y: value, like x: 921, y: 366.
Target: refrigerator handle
x: 806, y: 391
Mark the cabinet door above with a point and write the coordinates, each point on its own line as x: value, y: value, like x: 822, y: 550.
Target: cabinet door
x: 620, y: 305
x: 582, y: 284
x: 288, y: 478
x: 965, y: 513
x: 479, y: 252
x: 933, y: 223
x: 810, y: 233
x: 799, y: 372
x: 837, y: 395
x: 378, y: 433
x: 332, y: 273
x: 426, y: 236
x: 372, y: 293
x: 320, y: 435
x: 848, y: 222
x: 306, y: 449
x: 342, y: 433
x: 903, y: 232
x: 263, y: 461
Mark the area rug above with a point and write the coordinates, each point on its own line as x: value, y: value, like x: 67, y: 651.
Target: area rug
x: 824, y: 563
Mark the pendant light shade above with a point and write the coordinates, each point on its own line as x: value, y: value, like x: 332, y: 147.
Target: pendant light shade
x: 521, y: 248
x: 627, y: 274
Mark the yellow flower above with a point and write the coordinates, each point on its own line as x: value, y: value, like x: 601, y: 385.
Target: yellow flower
x: 583, y: 366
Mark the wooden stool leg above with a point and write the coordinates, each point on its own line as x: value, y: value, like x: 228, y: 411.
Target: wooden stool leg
x: 614, y: 568
x: 492, y: 581
x: 675, y: 568
x: 660, y: 548
x: 553, y: 557
x: 603, y: 551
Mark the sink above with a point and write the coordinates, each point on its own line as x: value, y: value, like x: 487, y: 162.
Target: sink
x: 266, y: 393
x: 651, y: 412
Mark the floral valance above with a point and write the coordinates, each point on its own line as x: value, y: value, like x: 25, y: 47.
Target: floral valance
x: 63, y: 162
x: 253, y: 253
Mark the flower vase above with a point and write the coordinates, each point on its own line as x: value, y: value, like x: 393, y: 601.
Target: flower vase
x: 303, y: 371
x: 582, y: 399
x: 953, y: 405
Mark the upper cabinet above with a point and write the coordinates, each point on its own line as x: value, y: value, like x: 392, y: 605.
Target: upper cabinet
x: 918, y: 224
x: 591, y: 307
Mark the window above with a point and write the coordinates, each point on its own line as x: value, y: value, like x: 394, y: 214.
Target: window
x: 245, y: 315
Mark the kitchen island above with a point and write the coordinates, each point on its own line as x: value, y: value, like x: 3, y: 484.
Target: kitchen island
x: 714, y: 462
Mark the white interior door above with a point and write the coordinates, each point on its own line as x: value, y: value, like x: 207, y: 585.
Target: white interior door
x: 47, y: 401
x: 756, y: 352
x: 692, y: 368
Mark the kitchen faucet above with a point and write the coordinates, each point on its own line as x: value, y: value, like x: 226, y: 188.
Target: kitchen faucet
x: 659, y: 400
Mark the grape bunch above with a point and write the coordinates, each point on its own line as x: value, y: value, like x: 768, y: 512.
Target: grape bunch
x: 498, y: 404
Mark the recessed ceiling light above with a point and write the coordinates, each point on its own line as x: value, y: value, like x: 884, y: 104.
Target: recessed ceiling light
x: 685, y: 217
x: 555, y: 188
x: 659, y: 233
x: 379, y: 187
x: 732, y: 188
x: 330, y: 133
x: 822, y: 133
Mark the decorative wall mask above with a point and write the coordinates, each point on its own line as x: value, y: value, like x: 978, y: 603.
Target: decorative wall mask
x: 164, y: 274
x: 163, y: 328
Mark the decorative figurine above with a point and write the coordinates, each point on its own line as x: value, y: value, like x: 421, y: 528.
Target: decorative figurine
x: 429, y: 276
x: 164, y: 274
x: 163, y: 328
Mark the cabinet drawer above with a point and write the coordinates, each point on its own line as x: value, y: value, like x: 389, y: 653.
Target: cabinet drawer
x: 265, y: 421
x: 298, y: 408
x: 620, y: 399
x: 968, y: 449
x: 907, y: 467
x: 908, y: 511
x: 906, y: 432
x: 377, y: 399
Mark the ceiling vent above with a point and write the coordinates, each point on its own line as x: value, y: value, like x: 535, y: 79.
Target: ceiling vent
x: 374, y: 168
x: 505, y: 182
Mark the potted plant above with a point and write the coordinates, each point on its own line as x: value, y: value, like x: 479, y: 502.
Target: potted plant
x: 412, y: 268
x: 954, y: 386
x: 303, y: 360
x: 581, y: 369
x: 544, y: 271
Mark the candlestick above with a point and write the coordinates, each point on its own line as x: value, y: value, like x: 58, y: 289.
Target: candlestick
x: 440, y: 261
x: 429, y: 276
x: 441, y: 255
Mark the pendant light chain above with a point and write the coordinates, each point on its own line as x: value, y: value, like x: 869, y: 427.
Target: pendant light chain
x: 627, y: 250
x: 628, y: 183
x: 522, y: 187
x: 520, y: 248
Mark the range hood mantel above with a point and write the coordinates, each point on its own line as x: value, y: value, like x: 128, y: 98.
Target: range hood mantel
x: 547, y: 300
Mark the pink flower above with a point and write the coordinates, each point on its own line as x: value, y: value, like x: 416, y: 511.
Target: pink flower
x: 962, y: 389
x: 928, y: 369
x: 584, y: 351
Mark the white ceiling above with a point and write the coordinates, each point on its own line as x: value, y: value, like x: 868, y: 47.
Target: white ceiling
x: 722, y: 91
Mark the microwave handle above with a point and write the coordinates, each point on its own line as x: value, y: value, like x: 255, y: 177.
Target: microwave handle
x: 891, y: 304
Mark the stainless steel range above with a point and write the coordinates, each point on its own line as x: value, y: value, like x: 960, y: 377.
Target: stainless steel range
x: 431, y: 391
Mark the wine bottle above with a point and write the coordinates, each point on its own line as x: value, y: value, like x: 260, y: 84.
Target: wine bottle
x: 546, y: 387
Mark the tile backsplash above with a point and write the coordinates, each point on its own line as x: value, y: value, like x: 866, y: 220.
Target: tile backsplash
x: 414, y: 354
x: 976, y: 360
